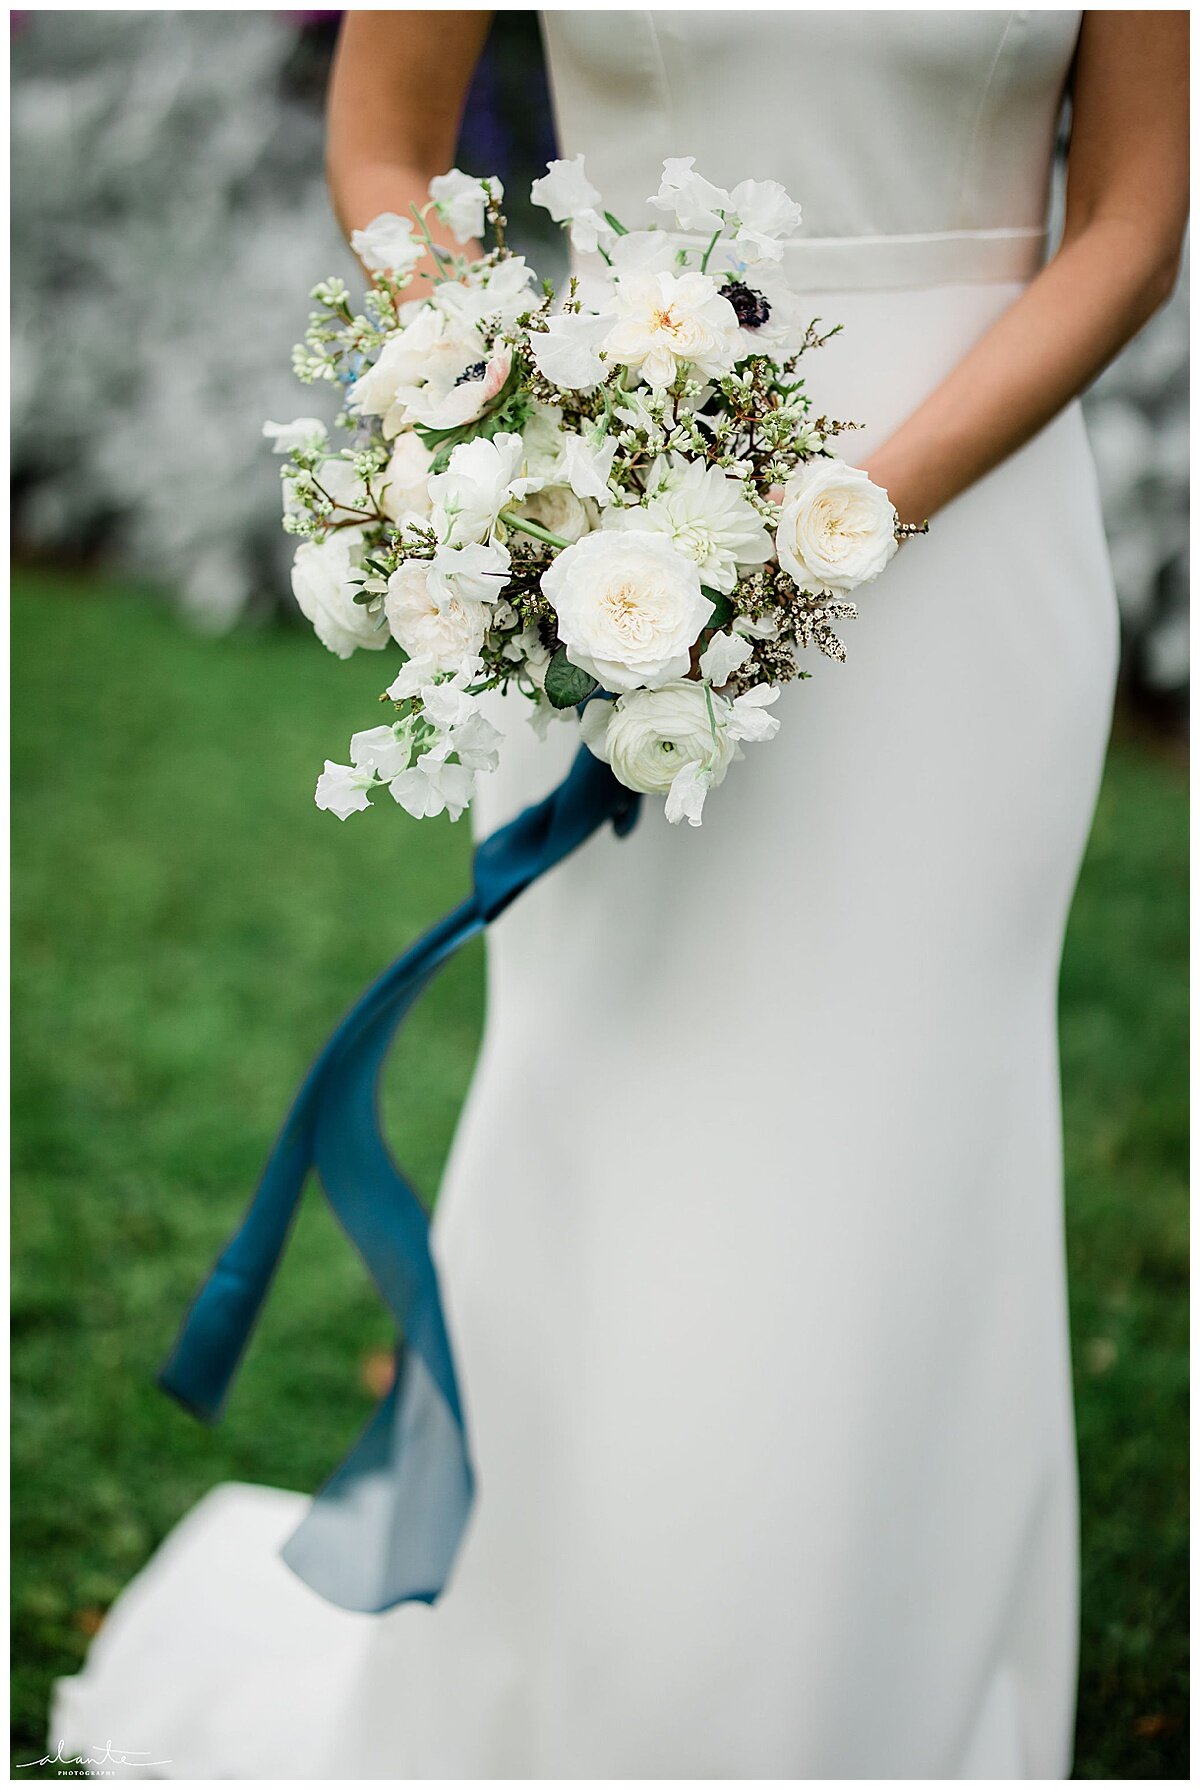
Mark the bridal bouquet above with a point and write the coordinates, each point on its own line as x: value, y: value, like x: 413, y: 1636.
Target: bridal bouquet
x: 619, y: 506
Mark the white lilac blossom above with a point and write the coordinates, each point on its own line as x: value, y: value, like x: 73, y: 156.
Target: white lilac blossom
x: 620, y: 503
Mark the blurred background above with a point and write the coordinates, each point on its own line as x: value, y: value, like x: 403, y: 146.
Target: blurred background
x: 168, y: 219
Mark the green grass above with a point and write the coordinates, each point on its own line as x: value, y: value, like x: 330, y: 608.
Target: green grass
x: 186, y: 928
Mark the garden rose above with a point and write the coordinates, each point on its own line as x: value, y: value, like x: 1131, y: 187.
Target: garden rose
x: 446, y: 632
x: 324, y: 585
x: 629, y: 608
x: 405, y: 489
x: 836, y: 529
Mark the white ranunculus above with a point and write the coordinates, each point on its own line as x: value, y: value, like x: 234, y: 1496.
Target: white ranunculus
x: 404, y: 490
x: 765, y: 216
x: 446, y: 632
x: 557, y: 508
x: 569, y: 196
x: 388, y: 245
x: 305, y: 432
x: 324, y: 585
x: 565, y: 351
x: 836, y: 529
x: 663, y: 321
x: 586, y: 466
x: 696, y: 202
x: 629, y: 608
x: 705, y: 513
x: 474, y: 574
x: 649, y: 736
x: 479, y: 479
x: 461, y: 202
x: 342, y: 789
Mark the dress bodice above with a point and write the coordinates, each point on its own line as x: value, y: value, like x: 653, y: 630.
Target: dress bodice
x: 882, y: 124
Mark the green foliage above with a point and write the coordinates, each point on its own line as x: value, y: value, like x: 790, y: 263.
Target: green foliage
x: 188, y: 926
x: 566, y: 684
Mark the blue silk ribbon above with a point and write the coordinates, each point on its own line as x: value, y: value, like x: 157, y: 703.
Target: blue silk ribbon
x: 385, y: 1528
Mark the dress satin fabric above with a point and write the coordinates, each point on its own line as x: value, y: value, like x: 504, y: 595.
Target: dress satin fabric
x: 751, y: 1239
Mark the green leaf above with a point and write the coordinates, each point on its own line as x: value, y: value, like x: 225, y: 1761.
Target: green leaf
x: 615, y: 224
x: 722, y: 608
x: 566, y: 685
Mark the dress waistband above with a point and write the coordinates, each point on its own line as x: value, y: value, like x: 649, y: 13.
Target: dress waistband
x: 883, y: 263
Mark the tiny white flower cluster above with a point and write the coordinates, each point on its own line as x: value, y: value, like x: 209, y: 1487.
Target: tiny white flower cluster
x: 618, y: 506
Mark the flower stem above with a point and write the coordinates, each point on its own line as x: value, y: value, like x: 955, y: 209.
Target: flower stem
x: 440, y: 256
x: 532, y: 528
x: 716, y: 237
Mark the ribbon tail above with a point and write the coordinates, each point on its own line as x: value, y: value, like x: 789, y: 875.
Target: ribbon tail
x: 215, y: 1333
x: 386, y: 1526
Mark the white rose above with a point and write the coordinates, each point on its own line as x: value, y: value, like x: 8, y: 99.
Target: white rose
x: 447, y: 633
x: 405, y: 490
x: 557, y: 508
x: 629, y: 608
x: 387, y: 244
x: 324, y: 586
x: 663, y: 321
x: 649, y: 736
x: 836, y: 529
x: 461, y: 202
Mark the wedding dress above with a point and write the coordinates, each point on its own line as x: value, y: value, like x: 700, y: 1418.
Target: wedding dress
x: 751, y: 1239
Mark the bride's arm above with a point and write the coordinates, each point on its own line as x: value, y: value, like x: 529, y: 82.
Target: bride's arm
x: 1127, y: 176
x: 396, y: 97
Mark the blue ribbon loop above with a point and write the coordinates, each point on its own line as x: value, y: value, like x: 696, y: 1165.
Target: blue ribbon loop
x: 386, y: 1526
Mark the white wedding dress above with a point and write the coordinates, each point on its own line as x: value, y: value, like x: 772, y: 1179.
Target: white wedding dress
x: 751, y: 1239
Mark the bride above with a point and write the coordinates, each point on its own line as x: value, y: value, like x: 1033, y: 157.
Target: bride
x: 760, y: 1308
